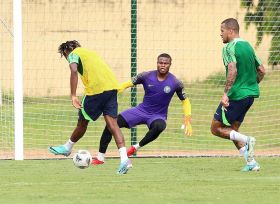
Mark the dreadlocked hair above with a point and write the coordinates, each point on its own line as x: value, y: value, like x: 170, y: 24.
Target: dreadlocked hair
x: 68, y: 46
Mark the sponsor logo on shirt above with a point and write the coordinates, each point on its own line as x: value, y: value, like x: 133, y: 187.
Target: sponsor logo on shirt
x: 150, y: 85
x: 167, y: 89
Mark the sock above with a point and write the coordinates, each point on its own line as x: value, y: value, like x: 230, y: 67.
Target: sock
x: 123, y: 154
x: 236, y: 136
x: 69, y: 145
x: 101, y: 156
x: 253, y: 161
x: 137, y: 146
x: 242, y: 150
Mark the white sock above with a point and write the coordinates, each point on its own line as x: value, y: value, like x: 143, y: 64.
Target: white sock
x: 137, y: 146
x: 236, y: 136
x: 101, y: 156
x: 69, y: 145
x: 253, y: 161
x: 123, y: 154
x: 242, y: 150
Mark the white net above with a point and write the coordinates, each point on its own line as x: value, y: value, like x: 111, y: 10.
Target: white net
x: 188, y: 30
x: 6, y: 81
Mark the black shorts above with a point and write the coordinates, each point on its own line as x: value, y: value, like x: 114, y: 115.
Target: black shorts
x: 236, y: 111
x: 95, y: 105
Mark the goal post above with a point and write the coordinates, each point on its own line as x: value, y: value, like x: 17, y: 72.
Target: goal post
x: 18, y: 79
x: 133, y: 72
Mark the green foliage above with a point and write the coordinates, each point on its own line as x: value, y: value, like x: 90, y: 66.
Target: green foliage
x: 266, y: 16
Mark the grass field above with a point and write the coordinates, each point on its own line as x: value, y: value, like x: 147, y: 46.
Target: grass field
x: 150, y: 181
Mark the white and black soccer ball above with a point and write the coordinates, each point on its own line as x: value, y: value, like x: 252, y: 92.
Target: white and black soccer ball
x: 82, y: 159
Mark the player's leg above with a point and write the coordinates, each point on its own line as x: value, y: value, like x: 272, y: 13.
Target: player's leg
x: 113, y: 127
x: 220, y: 130
x: 110, y: 110
x: 105, y: 140
x: 227, y: 132
x: 226, y: 121
x: 248, y: 147
x: 77, y: 134
x: 241, y: 146
x: 156, y: 127
x: 235, y: 115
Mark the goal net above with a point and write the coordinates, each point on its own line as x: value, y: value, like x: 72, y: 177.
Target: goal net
x: 187, y: 30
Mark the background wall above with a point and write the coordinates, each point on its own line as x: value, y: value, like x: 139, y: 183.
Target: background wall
x: 186, y: 29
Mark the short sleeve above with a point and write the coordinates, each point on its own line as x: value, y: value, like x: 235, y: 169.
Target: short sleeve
x: 229, y: 54
x: 73, y: 58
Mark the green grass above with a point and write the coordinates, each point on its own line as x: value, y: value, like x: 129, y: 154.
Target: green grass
x: 155, y: 181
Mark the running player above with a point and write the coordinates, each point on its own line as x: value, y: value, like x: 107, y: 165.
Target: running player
x: 244, y: 71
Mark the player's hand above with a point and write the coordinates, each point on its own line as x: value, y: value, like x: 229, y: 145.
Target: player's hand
x: 76, y: 102
x: 187, y: 125
x: 225, y: 100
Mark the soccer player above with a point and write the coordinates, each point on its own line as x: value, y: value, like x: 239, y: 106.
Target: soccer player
x: 244, y: 71
x: 100, y: 97
x: 159, y: 85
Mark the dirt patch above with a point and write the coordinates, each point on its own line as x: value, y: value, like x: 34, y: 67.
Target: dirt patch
x: 43, y: 154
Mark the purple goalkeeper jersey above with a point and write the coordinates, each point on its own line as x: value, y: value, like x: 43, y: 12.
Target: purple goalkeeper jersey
x: 158, y: 94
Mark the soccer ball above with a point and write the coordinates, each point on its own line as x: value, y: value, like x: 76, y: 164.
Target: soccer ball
x: 82, y: 159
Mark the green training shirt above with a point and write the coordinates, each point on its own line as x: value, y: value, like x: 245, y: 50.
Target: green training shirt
x: 242, y: 53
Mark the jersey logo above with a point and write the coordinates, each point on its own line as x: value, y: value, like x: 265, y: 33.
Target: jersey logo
x: 150, y: 85
x: 167, y: 89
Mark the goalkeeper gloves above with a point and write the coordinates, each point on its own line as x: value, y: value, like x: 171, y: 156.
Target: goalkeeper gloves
x: 187, y: 118
x: 187, y: 125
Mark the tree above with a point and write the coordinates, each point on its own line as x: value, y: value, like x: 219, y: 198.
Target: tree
x: 265, y: 14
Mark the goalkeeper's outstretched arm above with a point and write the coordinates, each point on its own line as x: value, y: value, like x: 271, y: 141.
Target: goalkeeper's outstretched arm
x: 125, y: 85
x: 187, y: 108
x: 138, y: 79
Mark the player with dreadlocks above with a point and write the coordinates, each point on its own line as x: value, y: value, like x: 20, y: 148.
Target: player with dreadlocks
x: 100, y: 98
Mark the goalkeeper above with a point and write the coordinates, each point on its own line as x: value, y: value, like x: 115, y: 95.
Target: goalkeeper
x: 160, y: 86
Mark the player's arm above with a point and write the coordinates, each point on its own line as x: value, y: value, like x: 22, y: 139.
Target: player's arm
x: 187, y: 117
x: 260, y: 73
x: 232, y: 73
x: 73, y: 60
x: 125, y: 85
x: 230, y: 61
x: 73, y: 85
x: 138, y: 79
x: 186, y: 109
x: 259, y: 68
